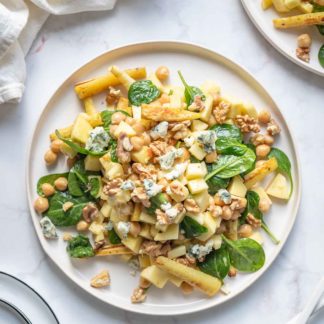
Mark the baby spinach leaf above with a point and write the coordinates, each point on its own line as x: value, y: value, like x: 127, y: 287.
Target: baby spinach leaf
x: 245, y: 254
x: 227, y: 131
x: 95, y: 186
x: 321, y: 53
x: 216, y: 263
x: 106, y: 116
x: 142, y: 92
x: 80, y: 247
x: 113, y: 150
x: 74, y: 185
x: 113, y: 237
x: 228, y: 166
x: 190, y: 91
x: 319, y: 8
x: 252, y: 207
x: 56, y: 213
x: 192, y: 228
x: 194, y: 159
x: 76, y: 147
x: 230, y: 146
x: 252, y: 147
x: 156, y: 202
x: 50, y: 178
x: 215, y: 183
x: 284, y: 165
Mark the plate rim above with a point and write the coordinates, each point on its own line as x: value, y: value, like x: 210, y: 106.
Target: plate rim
x: 247, y: 75
x: 291, y: 58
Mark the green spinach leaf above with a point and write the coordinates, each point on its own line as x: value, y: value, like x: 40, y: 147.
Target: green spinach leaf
x: 190, y: 91
x: 284, y: 165
x: 113, y: 150
x: 228, y: 166
x: 50, y: 178
x: 156, y: 202
x: 227, y: 131
x: 230, y: 146
x: 80, y: 247
x: 318, y: 8
x: 113, y: 237
x: 142, y: 92
x: 74, y: 185
x: 194, y: 159
x: 56, y: 213
x: 106, y: 116
x: 245, y: 254
x: 321, y: 55
x: 192, y: 228
x: 216, y: 263
x: 215, y: 183
x: 95, y: 186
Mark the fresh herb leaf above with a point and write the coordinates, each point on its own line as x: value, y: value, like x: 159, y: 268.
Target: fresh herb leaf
x: 190, y: 91
x: 95, y: 186
x: 227, y: 131
x: 230, y: 146
x: 142, y: 92
x: 192, y: 228
x: 156, y: 203
x: 228, y: 166
x: 106, y: 116
x: 245, y: 254
x: 318, y: 8
x: 321, y: 54
x: 80, y: 247
x: 113, y: 150
x: 284, y: 165
x: 113, y: 237
x: 56, y: 213
x: 74, y: 185
x: 194, y: 159
x: 50, y: 178
x: 216, y: 263
x: 215, y: 183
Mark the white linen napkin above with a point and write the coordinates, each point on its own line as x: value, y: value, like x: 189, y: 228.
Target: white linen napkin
x: 20, y: 21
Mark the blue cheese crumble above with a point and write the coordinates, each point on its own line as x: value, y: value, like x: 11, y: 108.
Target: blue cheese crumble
x: 160, y: 130
x: 48, y: 228
x: 109, y: 226
x: 200, y: 251
x: 178, y: 171
x: 151, y: 188
x: 166, y: 161
x: 98, y: 140
x: 127, y: 185
x: 225, y: 196
x: 166, y: 206
x: 123, y: 228
x: 208, y: 139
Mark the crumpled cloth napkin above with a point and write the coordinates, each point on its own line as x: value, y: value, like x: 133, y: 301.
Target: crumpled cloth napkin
x: 20, y: 21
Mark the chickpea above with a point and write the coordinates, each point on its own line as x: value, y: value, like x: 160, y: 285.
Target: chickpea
x: 112, y: 130
x: 211, y: 157
x: 146, y: 138
x: 61, y: 183
x: 70, y: 162
x: 245, y: 230
x: 117, y: 118
x: 82, y: 226
x: 41, y: 204
x: 264, y: 116
x: 262, y: 150
x: 164, y: 99
x: 137, y: 143
x: 48, y: 189
x: 218, y: 201
x: 130, y: 121
x: 264, y: 205
x: 67, y: 236
x: 268, y: 139
x: 56, y: 146
x: 227, y: 213
x: 162, y: 73
x: 143, y: 283
x: 135, y: 228
x: 50, y: 157
x: 138, y: 128
x: 304, y: 41
x: 232, y: 272
x: 186, y: 288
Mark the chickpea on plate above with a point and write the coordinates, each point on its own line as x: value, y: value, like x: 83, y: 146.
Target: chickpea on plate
x: 173, y: 179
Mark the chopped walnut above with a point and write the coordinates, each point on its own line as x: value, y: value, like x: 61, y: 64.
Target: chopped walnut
x: 303, y: 54
x: 238, y: 203
x: 216, y: 211
x: 257, y: 139
x: 247, y: 124
x: 304, y: 43
x: 187, y: 260
x: 124, y: 209
x: 191, y: 206
x: 221, y: 111
x: 254, y: 222
x: 68, y: 205
x: 273, y: 128
x: 112, y: 187
x: 180, y: 130
x: 138, y: 295
x: 139, y: 195
x: 162, y: 217
x: 67, y: 236
x: 112, y: 96
x: 178, y: 189
x: 144, y: 172
x: 101, y: 280
x: 197, y: 105
x: 155, y: 249
x: 158, y: 148
x: 123, y: 154
x: 89, y: 212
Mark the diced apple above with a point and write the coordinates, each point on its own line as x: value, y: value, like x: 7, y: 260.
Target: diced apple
x: 161, y: 227
x: 106, y: 209
x: 68, y: 150
x: 145, y: 231
x: 144, y: 261
x: 177, y: 252
x: 125, y: 257
x: 137, y: 212
x: 210, y: 87
x: 113, y: 170
x: 217, y: 241
x: 250, y: 110
x: 96, y: 228
x: 143, y: 155
x: 137, y: 112
x: 266, y: 4
x: 212, y: 224
x: 179, y: 218
x: 155, y: 276
x: 175, y: 280
x: 256, y: 236
x: 80, y: 130
x: 205, y: 114
x: 172, y: 233
x: 262, y: 194
x: 197, y: 186
x: 306, y: 7
x: 116, y: 217
x: 202, y: 200
x: 92, y: 163
x: 278, y: 187
x: 280, y: 5
x: 197, y: 151
x: 124, y: 128
x: 196, y: 170
x: 237, y: 187
x: 133, y: 243
x: 146, y: 218
x: 153, y: 230
x: 198, y: 125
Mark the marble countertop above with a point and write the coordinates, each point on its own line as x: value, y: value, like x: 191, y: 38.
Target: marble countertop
x: 67, y: 42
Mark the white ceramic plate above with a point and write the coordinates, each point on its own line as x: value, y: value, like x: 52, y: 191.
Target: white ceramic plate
x: 285, y: 41
x: 197, y: 64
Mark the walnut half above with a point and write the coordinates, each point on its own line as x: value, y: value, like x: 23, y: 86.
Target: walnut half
x: 102, y: 279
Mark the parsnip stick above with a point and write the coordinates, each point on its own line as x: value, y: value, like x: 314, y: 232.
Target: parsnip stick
x: 114, y: 250
x: 315, y: 18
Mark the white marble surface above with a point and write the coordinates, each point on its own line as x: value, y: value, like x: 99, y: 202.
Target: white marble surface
x: 67, y: 42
